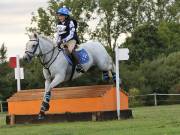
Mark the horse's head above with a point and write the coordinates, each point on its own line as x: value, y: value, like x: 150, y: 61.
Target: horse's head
x: 32, y: 47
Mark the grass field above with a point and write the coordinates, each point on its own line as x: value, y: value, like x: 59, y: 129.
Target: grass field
x: 161, y: 120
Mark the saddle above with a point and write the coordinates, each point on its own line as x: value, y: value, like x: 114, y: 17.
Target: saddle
x: 76, y: 59
x: 81, y: 54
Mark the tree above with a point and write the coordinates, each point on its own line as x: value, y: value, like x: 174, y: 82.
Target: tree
x: 169, y: 35
x: 106, y: 11
x: 114, y: 16
x: 3, y: 53
x: 124, y: 16
x: 33, y: 75
x: 114, y: 20
x: 152, y: 12
x: 160, y: 75
x: 144, y: 44
x: 7, y: 81
x: 149, y: 41
x: 5, y: 78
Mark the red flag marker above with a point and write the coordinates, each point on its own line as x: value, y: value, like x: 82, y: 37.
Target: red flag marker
x: 12, y: 62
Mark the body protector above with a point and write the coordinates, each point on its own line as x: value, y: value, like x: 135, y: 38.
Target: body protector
x: 66, y: 31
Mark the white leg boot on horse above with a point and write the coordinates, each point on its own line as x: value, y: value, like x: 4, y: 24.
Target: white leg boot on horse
x: 109, y: 74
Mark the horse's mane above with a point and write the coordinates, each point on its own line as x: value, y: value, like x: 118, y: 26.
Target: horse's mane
x: 48, y: 39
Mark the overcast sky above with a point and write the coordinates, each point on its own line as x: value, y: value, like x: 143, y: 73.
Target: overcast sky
x: 15, y: 16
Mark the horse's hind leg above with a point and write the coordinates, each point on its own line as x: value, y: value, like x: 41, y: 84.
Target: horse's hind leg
x: 108, y: 69
x: 113, y: 76
x: 106, y: 75
x: 113, y: 72
x: 110, y: 74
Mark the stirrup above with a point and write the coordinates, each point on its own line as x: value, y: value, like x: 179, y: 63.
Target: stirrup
x: 79, y: 68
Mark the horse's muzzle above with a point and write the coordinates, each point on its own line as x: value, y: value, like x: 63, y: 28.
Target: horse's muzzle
x: 27, y: 58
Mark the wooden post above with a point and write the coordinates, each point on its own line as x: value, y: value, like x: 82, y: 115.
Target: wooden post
x: 12, y: 119
x: 94, y: 116
x: 1, y: 106
x: 155, y: 99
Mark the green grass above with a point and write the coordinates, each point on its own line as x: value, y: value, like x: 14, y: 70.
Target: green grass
x: 2, y: 120
x: 161, y: 120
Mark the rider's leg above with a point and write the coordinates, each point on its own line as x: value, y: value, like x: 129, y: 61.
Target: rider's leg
x: 113, y: 76
x: 79, y: 67
x: 66, y: 50
x: 71, y: 45
x: 113, y: 72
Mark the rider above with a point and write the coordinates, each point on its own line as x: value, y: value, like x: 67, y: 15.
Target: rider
x: 67, y: 35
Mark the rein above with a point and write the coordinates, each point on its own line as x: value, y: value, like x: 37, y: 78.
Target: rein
x: 46, y: 64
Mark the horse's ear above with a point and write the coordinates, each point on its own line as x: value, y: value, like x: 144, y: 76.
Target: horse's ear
x: 28, y: 34
x: 35, y: 35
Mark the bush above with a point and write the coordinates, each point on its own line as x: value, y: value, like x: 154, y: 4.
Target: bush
x: 134, y: 100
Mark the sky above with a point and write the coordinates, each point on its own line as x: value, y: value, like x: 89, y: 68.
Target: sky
x: 15, y: 16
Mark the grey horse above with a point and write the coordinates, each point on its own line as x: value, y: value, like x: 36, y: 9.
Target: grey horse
x: 57, y: 67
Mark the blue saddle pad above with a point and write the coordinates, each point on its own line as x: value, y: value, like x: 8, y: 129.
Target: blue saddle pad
x: 82, y: 54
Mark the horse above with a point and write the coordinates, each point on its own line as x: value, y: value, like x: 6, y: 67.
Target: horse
x: 57, y: 66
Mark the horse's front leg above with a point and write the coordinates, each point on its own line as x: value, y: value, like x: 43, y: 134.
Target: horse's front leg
x: 47, y: 95
x: 46, y: 99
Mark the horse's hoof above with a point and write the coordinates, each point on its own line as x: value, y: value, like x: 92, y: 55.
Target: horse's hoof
x: 41, y: 116
x: 45, y: 106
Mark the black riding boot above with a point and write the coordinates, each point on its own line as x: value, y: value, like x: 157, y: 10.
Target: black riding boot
x: 79, y: 67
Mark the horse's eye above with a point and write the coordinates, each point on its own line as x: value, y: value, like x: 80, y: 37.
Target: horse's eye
x: 34, y: 46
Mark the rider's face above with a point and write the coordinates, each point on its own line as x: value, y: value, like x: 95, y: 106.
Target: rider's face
x: 61, y: 18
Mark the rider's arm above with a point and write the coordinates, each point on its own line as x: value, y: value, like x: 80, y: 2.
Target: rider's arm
x: 57, y: 35
x: 57, y: 38
x: 71, y: 33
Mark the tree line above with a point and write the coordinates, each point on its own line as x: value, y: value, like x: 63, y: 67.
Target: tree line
x: 154, y: 43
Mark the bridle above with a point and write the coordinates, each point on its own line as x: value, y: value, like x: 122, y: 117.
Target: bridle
x: 41, y: 55
x: 29, y: 53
